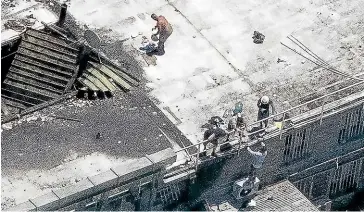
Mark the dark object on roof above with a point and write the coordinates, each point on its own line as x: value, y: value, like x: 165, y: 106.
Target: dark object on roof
x: 258, y: 37
x: 44, y: 68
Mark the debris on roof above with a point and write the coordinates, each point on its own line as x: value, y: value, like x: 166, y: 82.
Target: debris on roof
x: 101, y: 77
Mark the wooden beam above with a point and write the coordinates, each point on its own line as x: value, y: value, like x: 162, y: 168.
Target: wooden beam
x: 39, y: 107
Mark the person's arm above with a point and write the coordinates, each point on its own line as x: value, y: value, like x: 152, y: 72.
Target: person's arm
x: 252, y: 152
x: 211, y: 137
x: 158, y: 28
x: 258, y: 103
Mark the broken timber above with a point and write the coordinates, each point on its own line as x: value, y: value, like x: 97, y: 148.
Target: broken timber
x: 101, y: 77
x: 42, y: 70
x: 38, y: 107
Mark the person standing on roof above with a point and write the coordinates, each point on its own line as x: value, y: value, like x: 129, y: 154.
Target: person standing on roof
x: 264, y: 104
x: 258, y: 159
x: 164, y: 30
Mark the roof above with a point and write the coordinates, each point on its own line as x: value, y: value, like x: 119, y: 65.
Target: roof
x: 283, y: 196
x: 44, y: 67
x: 211, y: 62
x: 60, y: 142
x: 24, y: 13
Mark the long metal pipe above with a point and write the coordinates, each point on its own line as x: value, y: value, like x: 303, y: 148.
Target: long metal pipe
x: 339, y: 73
x: 307, y: 50
x: 321, y: 97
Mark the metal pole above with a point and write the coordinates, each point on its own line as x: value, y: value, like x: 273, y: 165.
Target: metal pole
x: 281, y: 130
x: 240, y: 138
x: 62, y: 15
x: 322, y: 109
x: 197, y: 157
x: 286, y: 111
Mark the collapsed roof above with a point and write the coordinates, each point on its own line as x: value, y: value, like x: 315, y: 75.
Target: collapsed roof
x: 45, y: 67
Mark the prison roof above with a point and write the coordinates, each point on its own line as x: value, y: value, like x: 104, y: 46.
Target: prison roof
x: 283, y: 196
x: 211, y: 61
x: 59, y: 145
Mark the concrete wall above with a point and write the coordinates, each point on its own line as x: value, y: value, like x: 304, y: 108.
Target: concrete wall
x: 145, y: 185
x: 217, y: 176
x: 129, y: 186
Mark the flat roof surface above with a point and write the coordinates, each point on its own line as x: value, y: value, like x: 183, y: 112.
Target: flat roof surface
x: 211, y: 61
x: 41, y: 152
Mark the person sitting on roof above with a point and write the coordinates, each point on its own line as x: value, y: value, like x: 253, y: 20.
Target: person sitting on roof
x: 236, y: 124
x: 264, y: 104
x: 258, y: 159
x: 212, y: 135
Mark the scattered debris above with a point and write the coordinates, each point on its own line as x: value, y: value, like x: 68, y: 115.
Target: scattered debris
x: 30, y: 16
x: 280, y: 60
x: 32, y: 118
x: 133, y: 108
x: 252, y: 203
x: 65, y: 118
x: 258, y: 37
x: 15, y: 25
x: 7, y: 126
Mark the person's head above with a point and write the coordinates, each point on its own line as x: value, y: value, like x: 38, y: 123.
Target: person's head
x: 263, y: 148
x: 154, y: 17
x: 264, y: 99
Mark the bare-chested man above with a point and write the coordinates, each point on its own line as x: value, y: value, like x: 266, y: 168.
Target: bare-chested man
x: 164, y: 30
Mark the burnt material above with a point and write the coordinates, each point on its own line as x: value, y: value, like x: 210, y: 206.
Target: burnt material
x: 42, y: 68
x: 62, y: 15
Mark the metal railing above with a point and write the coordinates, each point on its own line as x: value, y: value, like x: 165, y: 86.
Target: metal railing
x: 319, y: 62
x: 272, y: 117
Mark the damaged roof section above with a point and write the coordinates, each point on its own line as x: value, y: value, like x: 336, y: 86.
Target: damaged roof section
x: 46, y: 67
x: 100, y: 77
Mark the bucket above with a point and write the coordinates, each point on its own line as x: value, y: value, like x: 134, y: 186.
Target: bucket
x: 238, y: 108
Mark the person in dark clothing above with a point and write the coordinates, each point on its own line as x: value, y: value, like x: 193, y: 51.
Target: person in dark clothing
x: 237, y: 125
x: 212, y: 135
x: 264, y: 104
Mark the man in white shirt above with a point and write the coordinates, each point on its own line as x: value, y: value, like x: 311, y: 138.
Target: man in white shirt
x: 258, y: 158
